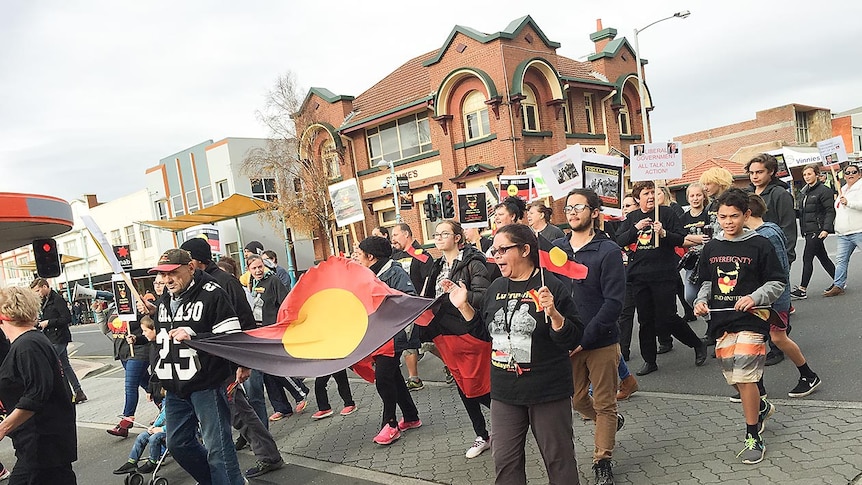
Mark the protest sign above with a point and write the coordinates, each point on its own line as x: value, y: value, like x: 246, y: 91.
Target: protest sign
x: 346, y: 202
x: 516, y: 186
x: 603, y: 174
x: 832, y: 151
x: 473, y: 207
x: 562, y: 171
x: 655, y: 161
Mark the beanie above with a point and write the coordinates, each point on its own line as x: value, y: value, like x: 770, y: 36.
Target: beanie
x: 379, y: 247
x: 199, y: 249
x: 255, y: 247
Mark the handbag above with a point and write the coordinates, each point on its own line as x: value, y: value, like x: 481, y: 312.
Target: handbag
x: 688, y: 261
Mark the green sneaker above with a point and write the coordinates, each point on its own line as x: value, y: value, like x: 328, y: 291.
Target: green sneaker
x: 766, y: 410
x: 753, y: 451
x: 415, y: 384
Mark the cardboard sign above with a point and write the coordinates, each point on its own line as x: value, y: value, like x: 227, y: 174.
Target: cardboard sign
x: 832, y: 151
x: 655, y: 161
x: 207, y: 232
x: 473, y: 207
x: 405, y: 197
x: 124, y: 256
x: 520, y: 186
x: 562, y: 171
x: 123, y: 298
x: 783, y: 172
x: 346, y: 202
x: 603, y: 174
x: 540, y: 188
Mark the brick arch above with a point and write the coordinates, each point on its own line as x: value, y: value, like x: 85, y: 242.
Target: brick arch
x: 311, y: 139
x: 444, y: 98
x: 631, y: 80
x: 543, y: 70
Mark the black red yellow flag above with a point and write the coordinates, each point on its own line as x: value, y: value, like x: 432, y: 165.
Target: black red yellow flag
x: 557, y: 261
x: 415, y: 250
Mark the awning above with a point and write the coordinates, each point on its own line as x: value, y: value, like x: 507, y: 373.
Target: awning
x: 25, y: 217
x: 64, y: 259
x: 235, y: 206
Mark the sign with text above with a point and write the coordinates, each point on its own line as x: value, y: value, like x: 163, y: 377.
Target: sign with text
x: 795, y: 157
x: 473, y: 207
x: 783, y: 172
x: 656, y: 161
x: 123, y: 298
x: 603, y: 174
x: 516, y: 186
x: 405, y: 197
x: 562, y: 171
x: 832, y: 151
x: 124, y: 256
x: 346, y: 202
x: 540, y: 188
x: 207, y: 232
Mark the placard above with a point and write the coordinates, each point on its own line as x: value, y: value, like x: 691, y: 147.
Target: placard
x: 473, y: 207
x: 346, y: 202
x: 655, y: 161
x: 540, y: 188
x: 207, y: 232
x: 832, y: 151
x: 405, y: 197
x: 123, y: 298
x: 562, y: 171
x: 603, y: 174
x: 516, y: 186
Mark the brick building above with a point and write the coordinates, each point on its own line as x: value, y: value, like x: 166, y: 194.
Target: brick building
x: 848, y: 125
x: 479, y: 106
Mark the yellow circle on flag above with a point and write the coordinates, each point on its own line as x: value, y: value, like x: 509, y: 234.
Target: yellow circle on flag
x: 512, y: 190
x: 330, y: 325
x: 558, y: 256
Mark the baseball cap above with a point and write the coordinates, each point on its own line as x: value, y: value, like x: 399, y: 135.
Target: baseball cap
x: 171, y: 260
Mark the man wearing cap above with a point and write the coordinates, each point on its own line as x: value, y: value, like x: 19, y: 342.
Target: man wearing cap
x: 195, y: 306
x: 247, y: 418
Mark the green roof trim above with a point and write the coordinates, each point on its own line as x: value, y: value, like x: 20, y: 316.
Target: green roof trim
x: 617, y: 100
x: 462, y: 72
x: 518, y: 75
x: 326, y: 95
x: 630, y: 137
x: 510, y: 32
x: 396, y: 109
x: 597, y: 82
x: 612, y: 49
x: 531, y: 162
x: 603, y: 34
x: 403, y: 161
x: 477, y: 141
x: 333, y: 133
x: 537, y: 134
x: 586, y: 136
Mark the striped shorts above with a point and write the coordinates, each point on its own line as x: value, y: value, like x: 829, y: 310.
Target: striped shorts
x: 742, y: 356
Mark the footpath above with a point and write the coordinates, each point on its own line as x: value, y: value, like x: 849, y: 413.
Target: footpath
x: 667, y: 439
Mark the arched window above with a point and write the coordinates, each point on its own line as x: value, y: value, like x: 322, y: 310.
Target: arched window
x: 624, y: 120
x: 530, y: 110
x: 475, y: 116
x: 330, y: 159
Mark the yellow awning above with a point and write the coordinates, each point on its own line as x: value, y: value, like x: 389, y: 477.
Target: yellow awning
x: 235, y: 206
x: 64, y: 259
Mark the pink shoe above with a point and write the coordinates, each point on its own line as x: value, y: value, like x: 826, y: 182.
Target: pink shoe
x: 348, y: 410
x: 300, y: 406
x: 405, y: 425
x: 387, y: 435
x: 322, y: 414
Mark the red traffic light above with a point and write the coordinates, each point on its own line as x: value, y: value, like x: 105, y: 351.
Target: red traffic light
x: 46, y: 247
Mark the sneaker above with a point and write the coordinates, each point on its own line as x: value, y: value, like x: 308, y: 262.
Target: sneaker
x: 80, y: 397
x: 798, y: 294
x: 387, y: 435
x: 263, y: 467
x: 449, y: 377
x: 148, y: 467
x: 127, y: 467
x: 737, y: 399
x: 792, y: 311
x: 348, y: 410
x: 4, y: 474
x: 240, y: 443
x: 767, y: 408
x: 300, y: 406
x: 405, y: 425
x: 833, y: 291
x: 805, y: 386
x: 773, y: 357
x: 276, y: 416
x: 753, y: 451
x: 322, y: 414
x: 478, y: 447
x: 621, y: 421
x: 415, y: 384
x: 604, y: 474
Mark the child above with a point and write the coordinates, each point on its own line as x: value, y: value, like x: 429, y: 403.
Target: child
x: 324, y: 409
x: 155, y: 437
x: 741, y: 275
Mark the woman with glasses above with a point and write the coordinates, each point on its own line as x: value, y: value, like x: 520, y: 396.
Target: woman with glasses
x: 533, y: 324
x: 817, y: 221
x: 463, y: 346
x: 848, y: 227
x: 539, y: 217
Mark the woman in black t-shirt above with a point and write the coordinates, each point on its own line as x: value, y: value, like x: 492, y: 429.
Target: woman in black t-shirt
x: 697, y: 227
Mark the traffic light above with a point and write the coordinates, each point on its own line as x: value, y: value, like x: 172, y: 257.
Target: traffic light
x: 47, y: 258
x: 447, y: 204
x: 431, y: 207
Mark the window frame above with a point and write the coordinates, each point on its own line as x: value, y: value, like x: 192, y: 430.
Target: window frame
x: 146, y: 237
x: 624, y: 115
x: 130, y: 237
x: 222, y: 191
x: 264, y: 193
x: 802, y: 127
x: 589, y: 112
x: 530, y: 103
x: 374, y: 137
x: 161, y: 207
x: 480, y: 116
x: 116, y: 237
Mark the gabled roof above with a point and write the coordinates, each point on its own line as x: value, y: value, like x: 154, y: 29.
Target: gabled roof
x: 613, y: 48
x: 510, y: 32
x: 327, y: 96
x: 693, y: 174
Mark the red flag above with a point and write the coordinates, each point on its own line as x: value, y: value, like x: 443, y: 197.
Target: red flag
x: 557, y: 261
x: 337, y: 314
x: 534, y: 295
x: 469, y: 361
x: 415, y: 250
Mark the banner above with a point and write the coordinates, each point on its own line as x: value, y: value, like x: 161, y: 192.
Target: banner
x: 562, y: 171
x: 473, y: 207
x: 520, y: 186
x: 604, y: 175
x: 405, y: 197
x: 799, y: 156
x: 209, y: 233
x: 832, y: 151
x: 346, y: 202
x: 655, y: 161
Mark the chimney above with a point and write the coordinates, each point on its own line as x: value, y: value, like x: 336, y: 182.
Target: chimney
x: 92, y: 200
x: 598, y: 25
x: 601, y: 37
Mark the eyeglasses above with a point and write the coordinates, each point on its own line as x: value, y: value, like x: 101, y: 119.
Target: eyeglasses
x: 442, y: 235
x: 158, y: 283
x: 577, y: 208
x: 629, y: 205
x: 851, y: 172
x: 502, y: 250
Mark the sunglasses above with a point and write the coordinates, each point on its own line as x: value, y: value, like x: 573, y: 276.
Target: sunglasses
x: 501, y: 250
x: 851, y: 172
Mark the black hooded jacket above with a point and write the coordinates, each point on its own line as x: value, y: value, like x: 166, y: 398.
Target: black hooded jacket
x: 817, y: 209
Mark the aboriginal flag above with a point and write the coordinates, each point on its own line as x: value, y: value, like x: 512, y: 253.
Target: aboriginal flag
x: 337, y: 314
x: 557, y: 261
x: 416, y: 252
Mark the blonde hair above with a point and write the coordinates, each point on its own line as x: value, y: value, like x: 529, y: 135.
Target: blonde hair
x: 147, y: 322
x: 719, y: 176
x: 19, y: 306
x: 668, y: 198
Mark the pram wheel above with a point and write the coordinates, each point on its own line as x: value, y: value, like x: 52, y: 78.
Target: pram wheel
x: 160, y: 481
x: 135, y: 479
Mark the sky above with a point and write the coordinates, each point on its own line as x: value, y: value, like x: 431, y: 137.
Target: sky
x: 93, y: 93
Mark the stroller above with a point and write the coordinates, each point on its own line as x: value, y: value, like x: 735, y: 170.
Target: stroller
x: 138, y: 478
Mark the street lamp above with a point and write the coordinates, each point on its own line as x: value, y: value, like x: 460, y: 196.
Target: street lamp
x: 392, y: 180
x: 641, y: 91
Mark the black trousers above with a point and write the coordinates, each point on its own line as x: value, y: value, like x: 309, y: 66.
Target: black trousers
x: 814, y: 247
x: 343, y: 390
x: 473, y: 405
x: 656, y: 306
x: 626, y: 321
x: 392, y: 389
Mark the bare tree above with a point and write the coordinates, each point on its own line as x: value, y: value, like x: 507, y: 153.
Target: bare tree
x: 300, y: 182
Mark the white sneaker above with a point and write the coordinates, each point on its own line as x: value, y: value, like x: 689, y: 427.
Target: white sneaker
x: 4, y: 474
x: 478, y: 447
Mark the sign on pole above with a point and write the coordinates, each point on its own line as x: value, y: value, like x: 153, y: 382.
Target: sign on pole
x: 405, y: 197
x: 473, y: 207
x: 562, y: 171
x: 124, y: 256
x: 603, y: 174
x: 832, y: 151
x: 655, y: 161
x: 520, y: 186
x: 346, y: 202
x: 207, y: 232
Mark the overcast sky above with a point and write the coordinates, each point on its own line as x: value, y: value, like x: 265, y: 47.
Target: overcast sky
x: 92, y: 93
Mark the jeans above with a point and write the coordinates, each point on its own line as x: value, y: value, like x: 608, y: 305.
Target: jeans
x: 814, y: 247
x: 623, y: 369
x: 136, y: 375
x: 599, y: 368
x: 216, y: 464
x: 846, y: 245
x: 156, y: 442
x: 63, y: 355
x: 256, y: 397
